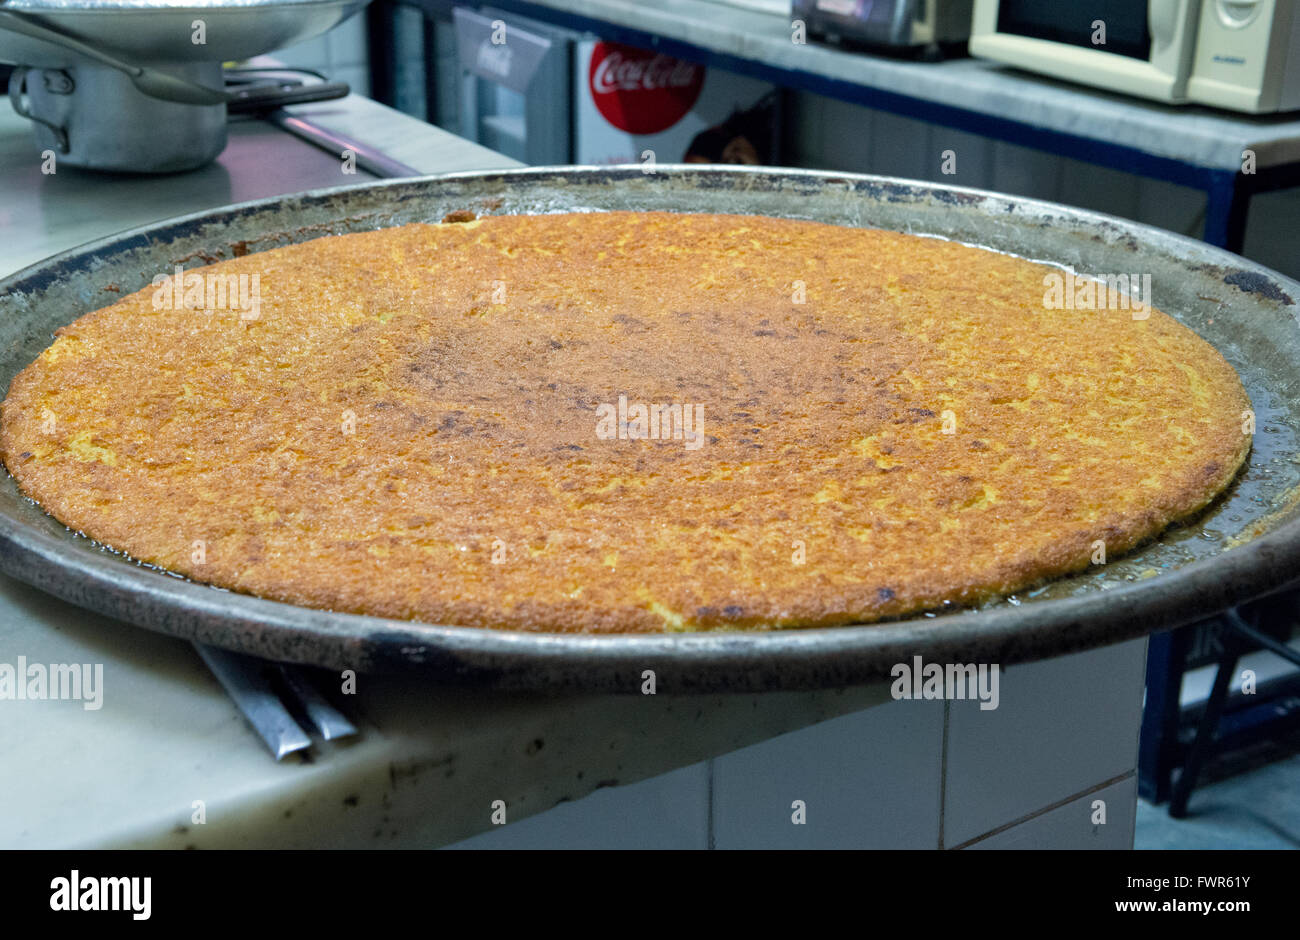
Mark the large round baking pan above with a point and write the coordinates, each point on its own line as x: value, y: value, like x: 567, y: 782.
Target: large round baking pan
x: 1246, y: 545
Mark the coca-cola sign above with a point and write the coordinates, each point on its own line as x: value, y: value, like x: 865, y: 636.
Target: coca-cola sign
x: 642, y: 92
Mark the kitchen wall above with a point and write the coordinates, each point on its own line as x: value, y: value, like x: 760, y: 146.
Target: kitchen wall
x: 340, y: 54
x: 829, y: 134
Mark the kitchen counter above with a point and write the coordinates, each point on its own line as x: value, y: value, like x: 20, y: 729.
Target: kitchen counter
x: 167, y: 742
x: 42, y: 215
x: 424, y: 771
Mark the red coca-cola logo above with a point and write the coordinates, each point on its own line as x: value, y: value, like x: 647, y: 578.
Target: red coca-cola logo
x: 642, y: 92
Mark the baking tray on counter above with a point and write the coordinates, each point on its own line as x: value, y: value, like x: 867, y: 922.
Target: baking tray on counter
x: 1246, y: 545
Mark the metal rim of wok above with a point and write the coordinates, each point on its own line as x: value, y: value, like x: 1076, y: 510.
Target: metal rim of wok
x: 58, y: 290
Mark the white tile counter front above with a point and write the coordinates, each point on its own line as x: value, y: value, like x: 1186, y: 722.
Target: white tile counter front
x: 1053, y: 766
x: 168, y: 761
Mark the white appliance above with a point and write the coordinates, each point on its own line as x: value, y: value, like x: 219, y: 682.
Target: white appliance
x: 1237, y: 54
x: 1248, y: 56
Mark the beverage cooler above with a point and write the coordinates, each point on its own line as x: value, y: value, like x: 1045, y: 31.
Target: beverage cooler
x: 545, y: 95
x: 514, y: 85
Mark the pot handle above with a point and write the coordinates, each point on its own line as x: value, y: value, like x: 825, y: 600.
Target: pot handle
x: 17, y: 88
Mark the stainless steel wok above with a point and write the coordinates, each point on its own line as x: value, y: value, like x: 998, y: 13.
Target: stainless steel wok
x: 1246, y: 545
x: 152, y: 32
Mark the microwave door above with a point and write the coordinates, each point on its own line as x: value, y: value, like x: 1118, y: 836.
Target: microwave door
x: 1131, y: 46
x: 1073, y: 22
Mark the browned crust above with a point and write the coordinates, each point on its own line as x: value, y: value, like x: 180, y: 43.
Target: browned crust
x: 475, y: 421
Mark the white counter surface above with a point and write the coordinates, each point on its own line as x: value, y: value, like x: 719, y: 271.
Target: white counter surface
x: 42, y: 215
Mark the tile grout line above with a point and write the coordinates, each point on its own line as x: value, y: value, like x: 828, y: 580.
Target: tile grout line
x: 1047, y: 809
x: 711, y: 840
x: 943, y: 769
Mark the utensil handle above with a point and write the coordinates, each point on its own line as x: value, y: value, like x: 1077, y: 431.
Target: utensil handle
x: 241, y: 676
x: 19, y: 24
x: 153, y: 82
x: 264, y: 97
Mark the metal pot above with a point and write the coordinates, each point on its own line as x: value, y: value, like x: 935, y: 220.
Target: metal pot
x: 92, y: 116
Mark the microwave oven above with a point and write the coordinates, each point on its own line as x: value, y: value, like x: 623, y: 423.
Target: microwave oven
x: 1238, y: 54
